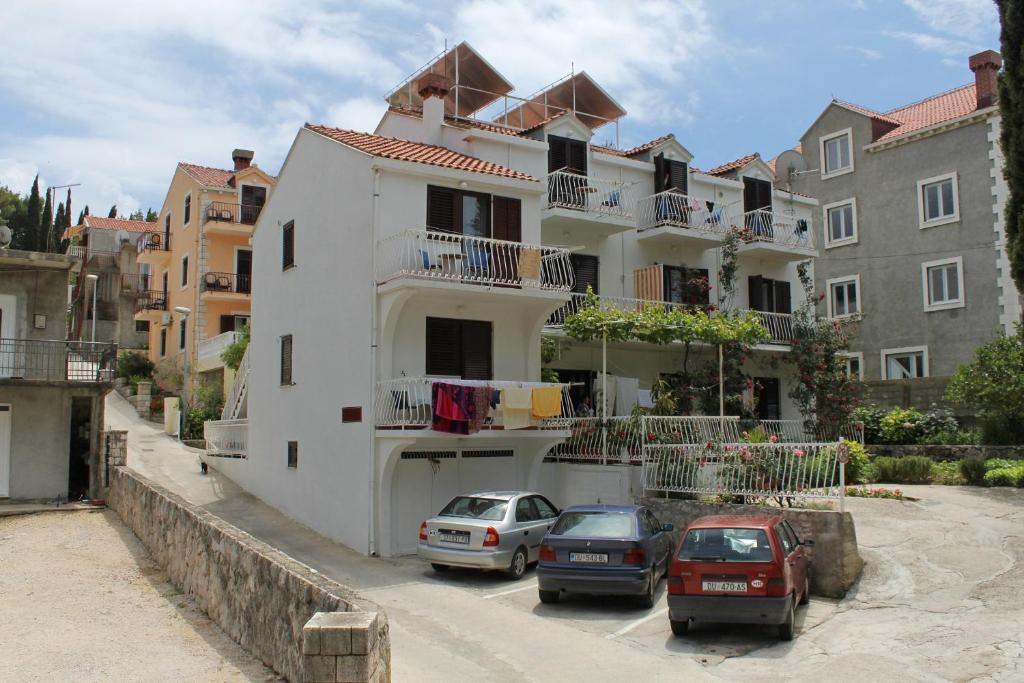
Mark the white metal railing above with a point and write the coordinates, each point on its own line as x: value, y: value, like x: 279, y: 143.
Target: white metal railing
x: 406, y: 402
x: 569, y: 190
x: 214, y: 346
x: 675, y: 209
x: 774, y: 227
x: 473, y: 260
x: 236, y: 403
x: 778, y: 325
x: 227, y: 437
x: 690, y: 429
x: 790, y: 470
x: 795, y: 431
x: 615, y: 439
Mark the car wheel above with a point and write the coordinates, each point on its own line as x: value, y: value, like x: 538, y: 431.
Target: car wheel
x: 439, y: 567
x: 806, y: 597
x: 680, y: 628
x: 647, y: 599
x: 548, y: 597
x: 787, y: 628
x: 518, y: 566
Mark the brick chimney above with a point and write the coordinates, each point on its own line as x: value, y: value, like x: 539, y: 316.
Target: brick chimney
x: 433, y: 88
x: 985, y: 66
x: 242, y: 158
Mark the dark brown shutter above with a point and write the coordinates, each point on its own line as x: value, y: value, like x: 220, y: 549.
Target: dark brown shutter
x: 288, y: 245
x: 756, y: 283
x: 440, y: 209
x: 558, y: 153
x: 677, y: 175
x: 586, y: 269
x: 660, y: 177
x: 293, y: 454
x: 783, y: 302
x: 757, y: 194
x: 578, y: 156
x: 227, y: 323
x: 286, y: 359
x: 476, y: 349
x: 507, y: 219
x: 444, y: 347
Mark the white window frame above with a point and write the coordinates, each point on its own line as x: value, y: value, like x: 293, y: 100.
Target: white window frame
x: 960, y: 302
x: 183, y: 270
x: 821, y: 149
x: 840, y: 280
x: 829, y: 242
x: 945, y: 220
x: 905, y: 349
x: 857, y: 356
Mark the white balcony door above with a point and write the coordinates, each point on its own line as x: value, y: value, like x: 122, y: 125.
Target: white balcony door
x: 5, y: 450
x: 9, y: 364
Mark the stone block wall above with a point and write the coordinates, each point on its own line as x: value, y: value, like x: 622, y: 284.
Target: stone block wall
x: 259, y: 596
x: 343, y: 646
x: 835, y: 561
x: 920, y: 393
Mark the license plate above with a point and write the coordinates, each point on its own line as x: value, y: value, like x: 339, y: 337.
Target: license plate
x: 593, y: 558
x: 724, y: 586
x: 462, y: 538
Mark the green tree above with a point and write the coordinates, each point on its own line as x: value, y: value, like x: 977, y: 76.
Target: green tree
x: 993, y: 385
x: 58, y: 221
x: 42, y: 229
x: 151, y: 216
x: 82, y: 215
x: 1011, y: 108
x: 136, y: 215
x: 13, y: 213
x: 232, y: 355
x: 34, y: 214
x: 113, y: 212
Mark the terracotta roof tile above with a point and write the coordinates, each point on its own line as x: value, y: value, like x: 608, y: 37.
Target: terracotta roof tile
x: 866, y: 112
x: 104, y: 223
x: 209, y: 177
x: 649, y: 145
x: 734, y: 164
x: 943, y: 107
x: 416, y: 152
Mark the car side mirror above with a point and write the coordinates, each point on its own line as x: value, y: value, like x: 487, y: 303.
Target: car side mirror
x: 668, y: 527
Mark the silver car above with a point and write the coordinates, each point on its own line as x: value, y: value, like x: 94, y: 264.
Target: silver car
x: 488, y: 530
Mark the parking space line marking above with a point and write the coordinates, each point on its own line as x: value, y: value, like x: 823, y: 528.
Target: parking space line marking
x: 632, y: 625
x: 509, y: 592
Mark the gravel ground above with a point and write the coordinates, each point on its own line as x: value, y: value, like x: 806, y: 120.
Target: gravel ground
x: 82, y: 600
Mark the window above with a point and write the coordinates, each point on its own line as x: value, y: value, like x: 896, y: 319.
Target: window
x: 840, y: 223
x: 286, y: 360
x: 942, y: 283
x: 288, y: 245
x: 525, y: 511
x: 545, y: 509
x: 293, y: 454
x: 784, y: 539
x: 836, y: 153
x: 167, y: 226
x: 163, y: 342
x: 163, y: 281
x: 792, y: 532
x: 843, y: 296
x: 906, y: 363
x: 253, y: 199
x: 188, y: 208
x: 567, y: 155
x: 937, y: 200
x: 670, y: 174
x: 473, y: 214
x: 142, y: 326
x: 769, y: 295
x: 184, y: 272
x: 854, y: 364
x: 181, y: 335
x: 459, y: 348
x: 726, y: 544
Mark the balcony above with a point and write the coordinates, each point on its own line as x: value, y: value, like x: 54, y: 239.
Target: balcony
x: 671, y: 218
x: 134, y: 284
x: 226, y: 286
x: 773, y: 235
x: 779, y: 326
x: 150, y: 301
x: 226, y: 438
x: 597, y: 205
x: 234, y: 219
x: 474, y: 265
x: 98, y: 257
x: 33, y: 360
x: 405, y: 404
x: 212, y: 348
x: 621, y: 439
x: 154, y: 247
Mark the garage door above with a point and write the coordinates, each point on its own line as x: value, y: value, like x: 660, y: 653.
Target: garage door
x: 588, y: 485
x: 425, y: 481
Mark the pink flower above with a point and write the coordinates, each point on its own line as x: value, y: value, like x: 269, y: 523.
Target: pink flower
x: 728, y: 448
x: 708, y: 445
x: 747, y: 457
x: 651, y: 436
x: 908, y: 425
x: 798, y: 453
x: 774, y: 438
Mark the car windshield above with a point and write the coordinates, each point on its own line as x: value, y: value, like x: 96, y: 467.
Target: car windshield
x: 594, y: 525
x: 726, y: 545
x: 476, y: 508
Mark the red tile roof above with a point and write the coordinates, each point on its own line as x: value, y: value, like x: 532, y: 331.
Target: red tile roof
x: 943, y: 107
x: 734, y: 164
x: 650, y: 144
x: 416, y: 152
x: 209, y: 177
x: 866, y: 112
x: 104, y: 223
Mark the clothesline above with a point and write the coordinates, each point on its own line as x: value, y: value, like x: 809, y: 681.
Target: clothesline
x: 502, y: 384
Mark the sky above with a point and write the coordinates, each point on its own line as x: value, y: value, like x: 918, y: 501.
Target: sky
x: 112, y: 94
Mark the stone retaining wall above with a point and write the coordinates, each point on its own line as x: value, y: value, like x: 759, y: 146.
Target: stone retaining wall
x: 259, y: 596
x: 950, y: 452
x: 836, y: 564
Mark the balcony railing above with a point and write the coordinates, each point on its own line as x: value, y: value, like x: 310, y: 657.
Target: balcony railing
x: 84, y: 252
x: 674, y: 209
x: 214, y: 346
x: 578, y: 301
x: 779, y: 326
x: 57, y: 361
x: 151, y: 300
x: 226, y: 437
x: 153, y: 241
x: 772, y: 227
x: 473, y: 260
x: 796, y: 431
x: 406, y: 403
x: 231, y: 283
x: 246, y: 214
x: 568, y: 190
x: 135, y: 283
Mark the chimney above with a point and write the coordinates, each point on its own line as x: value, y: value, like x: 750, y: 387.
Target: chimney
x: 985, y: 66
x: 242, y: 158
x: 433, y: 88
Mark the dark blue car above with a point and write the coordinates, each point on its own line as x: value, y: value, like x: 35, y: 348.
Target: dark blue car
x: 604, y: 550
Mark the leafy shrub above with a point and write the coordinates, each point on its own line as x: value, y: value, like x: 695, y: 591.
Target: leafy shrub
x: 865, y: 492
x: 207, y: 404
x: 232, y: 355
x: 936, y: 421
x: 1000, y: 464
x: 871, y: 416
x: 993, y: 386
x: 951, y: 438
x: 1006, y: 476
x: 947, y: 473
x: 134, y: 365
x: 1000, y: 431
x: 913, y: 469
x: 973, y: 470
x: 900, y: 426
x: 856, y: 468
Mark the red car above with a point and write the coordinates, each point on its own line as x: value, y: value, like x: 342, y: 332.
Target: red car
x: 739, y: 569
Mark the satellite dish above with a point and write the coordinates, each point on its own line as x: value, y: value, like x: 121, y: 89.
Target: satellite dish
x: 122, y: 237
x: 5, y: 236
x: 788, y: 165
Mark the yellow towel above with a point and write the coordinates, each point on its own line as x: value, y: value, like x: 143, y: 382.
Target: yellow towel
x: 547, y: 402
x: 529, y: 264
x: 515, y: 408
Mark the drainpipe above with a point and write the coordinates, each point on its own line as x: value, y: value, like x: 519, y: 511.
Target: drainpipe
x: 372, y: 526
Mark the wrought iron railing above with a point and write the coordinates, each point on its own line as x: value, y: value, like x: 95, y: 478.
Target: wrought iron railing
x: 675, y: 209
x: 135, y: 283
x: 151, y: 300
x: 231, y: 283
x: 246, y: 214
x: 406, y: 403
x: 570, y: 190
x: 57, y: 361
x: 154, y: 241
x: 226, y: 437
x: 426, y: 254
x: 774, y: 227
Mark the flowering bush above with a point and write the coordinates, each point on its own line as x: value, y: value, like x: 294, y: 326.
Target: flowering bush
x: 865, y: 492
x: 900, y: 426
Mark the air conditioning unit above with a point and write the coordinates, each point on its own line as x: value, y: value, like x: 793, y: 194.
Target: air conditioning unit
x: 166, y: 320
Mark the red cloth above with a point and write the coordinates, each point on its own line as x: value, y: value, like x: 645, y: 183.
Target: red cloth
x: 452, y: 408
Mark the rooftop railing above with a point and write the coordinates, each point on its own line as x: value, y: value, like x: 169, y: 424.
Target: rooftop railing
x: 57, y: 361
x: 675, y: 209
x: 246, y: 214
x: 571, y: 190
x: 464, y: 259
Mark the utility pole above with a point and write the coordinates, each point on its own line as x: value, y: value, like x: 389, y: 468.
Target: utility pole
x: 53, y: 199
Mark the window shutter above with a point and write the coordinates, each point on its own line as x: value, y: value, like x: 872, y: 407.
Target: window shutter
x: 288, y: 245
x: 227, y: 323
x: 558, y: 153
x: 440, y: 209
x: 476, y: 349
x: 756, y: 285
x: 286, y: 360
x: 578, y: 156
x: 444, y: 347
x: 507, y: 219
x: 783, y: 303
x: 586, y: 269
x: 677, y: 175
x: 660, y: 179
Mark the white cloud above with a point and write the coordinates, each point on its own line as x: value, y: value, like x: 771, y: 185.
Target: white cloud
x: 865, y: 52
x: 971, y: 19
x: 18, y: 175
x: 928, y: 41
x: 358, y: 113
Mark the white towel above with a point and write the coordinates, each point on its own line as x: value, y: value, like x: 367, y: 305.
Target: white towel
x: 610, y: 403
x: 626, y: 394
x: 644, y: 399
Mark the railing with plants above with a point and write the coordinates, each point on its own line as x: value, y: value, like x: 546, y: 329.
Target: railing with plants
x: 226, y: 437
x: 766, y: 225
x: 213, y: 346
x: 579, y: 301
x: 795, y: 431
x: 778, y: 325
x: 237, y: 401
x: 675, y: 209
x: 57, y: 361
x: 570, y: 190
x: 452, y: 257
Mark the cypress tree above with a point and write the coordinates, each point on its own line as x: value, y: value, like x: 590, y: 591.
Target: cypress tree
x: 58, y: 221
x: 33, y: 208
x: 151, y: 216
x: 1011, y: 109
x: 58, y: 241
x: 44, y: 225
x: 113, y: 212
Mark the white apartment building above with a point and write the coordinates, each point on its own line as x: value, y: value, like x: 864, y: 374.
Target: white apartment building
x: 443, y: 247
